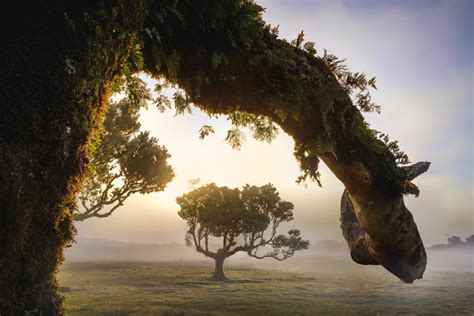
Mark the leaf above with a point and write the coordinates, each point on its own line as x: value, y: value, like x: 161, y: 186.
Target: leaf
x: 300, y: 39
x: 281, y: 113
x: 148, y: 32
x: 205, y: 131
x: 263, y: 129
x: 181, y: 103
x: 235, y: 138
x: 372, y: 83
x: 274, y: 30
x: 162, y: 103
x: 309, y: 47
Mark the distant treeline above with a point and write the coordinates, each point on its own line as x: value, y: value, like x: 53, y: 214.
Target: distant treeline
x: 455, y: 242
x: 96, y: 249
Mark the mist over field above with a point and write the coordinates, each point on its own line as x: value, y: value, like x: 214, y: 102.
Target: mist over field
x: 323, y: 256
x: 103, y: 277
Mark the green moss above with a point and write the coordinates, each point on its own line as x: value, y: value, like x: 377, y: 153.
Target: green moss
x: 55, y: 75
x: 375, y: 155
x: 262, y: 75
x: 60, y: 71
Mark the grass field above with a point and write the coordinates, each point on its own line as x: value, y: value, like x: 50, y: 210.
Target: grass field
x: 119, y: 288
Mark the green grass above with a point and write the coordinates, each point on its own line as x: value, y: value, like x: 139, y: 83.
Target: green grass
x: 101, y: 288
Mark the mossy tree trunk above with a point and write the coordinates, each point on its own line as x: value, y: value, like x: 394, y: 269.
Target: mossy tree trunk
x: 251, y: 70
x: 56, y: 64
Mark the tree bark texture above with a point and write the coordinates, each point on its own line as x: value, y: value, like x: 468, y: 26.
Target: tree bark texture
x: 359, y: 242
x: 263, y: 75
x: 54, y: 78
x: 218, y: 274
x: 57, y: 62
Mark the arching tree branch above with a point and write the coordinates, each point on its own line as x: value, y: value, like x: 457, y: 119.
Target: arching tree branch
x: 263, y: 75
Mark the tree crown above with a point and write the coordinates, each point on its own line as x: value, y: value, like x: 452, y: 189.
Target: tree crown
x: 126, y: 160
x: 246, y: 220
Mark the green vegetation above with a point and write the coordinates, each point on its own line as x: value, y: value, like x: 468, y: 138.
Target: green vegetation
x: 127, y: 160
x: 99, y: 288
x: 59, y: 63
x: 245, y: 220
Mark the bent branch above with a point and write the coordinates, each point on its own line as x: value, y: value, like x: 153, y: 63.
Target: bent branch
x: 263, y: 75
x: 359, y: 241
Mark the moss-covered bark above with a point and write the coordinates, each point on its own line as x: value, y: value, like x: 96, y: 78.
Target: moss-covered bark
x: 227, y: 60
x: 55, y: 67
x: 54, y: 73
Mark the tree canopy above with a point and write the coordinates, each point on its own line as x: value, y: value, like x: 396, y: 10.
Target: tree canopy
x: 243, y: 220
x: 126, y: 160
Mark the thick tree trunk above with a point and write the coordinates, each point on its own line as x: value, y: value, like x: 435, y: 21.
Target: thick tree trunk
x: 55, y: 66
x: 41, y: 155
x: 403, y: 253
x: 354, y: 234
x: 355, y: 225
x: 218, y: 274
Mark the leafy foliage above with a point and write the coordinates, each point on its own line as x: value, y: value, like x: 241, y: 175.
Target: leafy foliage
x: 205, y: 130
x: 244, y: 220
x: 356, y: 85
x: 126, y: 161
x: 242, y: 68
x: 235, y: 137
x: 401, y: 157
x: 262, y: 127
x: 308, y: 163
x: 57, y: 80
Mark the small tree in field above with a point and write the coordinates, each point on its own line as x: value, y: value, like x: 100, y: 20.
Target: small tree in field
x: 243, y: 220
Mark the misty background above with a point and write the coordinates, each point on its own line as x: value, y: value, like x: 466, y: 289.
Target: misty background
x: 420, y: 52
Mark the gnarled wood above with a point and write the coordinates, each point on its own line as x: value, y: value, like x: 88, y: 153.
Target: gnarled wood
x: 365, y: 251
x: 266, y: 76
x: 353, y: 233
x: 415, y: 170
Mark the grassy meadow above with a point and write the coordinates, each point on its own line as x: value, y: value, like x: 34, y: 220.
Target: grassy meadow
x: 185, y: 288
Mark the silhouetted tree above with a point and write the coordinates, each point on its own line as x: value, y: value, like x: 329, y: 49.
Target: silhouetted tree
x: 244, y: 220
x: 454, y: 241
x: 126, y: 161
x: 470, y: 240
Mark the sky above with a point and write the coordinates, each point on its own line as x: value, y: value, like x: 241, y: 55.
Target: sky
x: 422, y: 55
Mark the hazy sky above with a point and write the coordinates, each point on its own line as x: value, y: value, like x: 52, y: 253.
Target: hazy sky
x: 422, y: 54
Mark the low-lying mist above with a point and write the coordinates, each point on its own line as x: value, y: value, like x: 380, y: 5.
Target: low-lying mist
x: 322, y: 256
